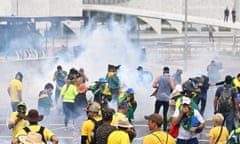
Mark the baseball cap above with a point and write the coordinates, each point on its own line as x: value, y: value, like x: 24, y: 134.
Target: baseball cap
x: 21, y: 104
x: 228, y: 79
x: 93, y: 108
x: 155, y: 117
x: 185, y: 100
x: 130, y: 91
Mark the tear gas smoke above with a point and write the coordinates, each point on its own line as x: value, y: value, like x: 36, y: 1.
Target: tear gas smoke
x: 103, y: 45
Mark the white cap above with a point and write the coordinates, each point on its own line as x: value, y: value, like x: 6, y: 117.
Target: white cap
x: 185, y: 100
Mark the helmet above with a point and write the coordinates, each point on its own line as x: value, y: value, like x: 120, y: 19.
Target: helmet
x: 19, y: 76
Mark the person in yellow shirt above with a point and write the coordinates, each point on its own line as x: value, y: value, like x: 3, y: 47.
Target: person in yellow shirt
x: 15, y: 90
x: 68, y: 93
x: 122, y: 110
x: 16, y: 120
x: 219, y: 133
x: 89, y: 126
x: 33, y: 117
x: 121, y: 135
x: 236, y: 83
x: 157, y: 135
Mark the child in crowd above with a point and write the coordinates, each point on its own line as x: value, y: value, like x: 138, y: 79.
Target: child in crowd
x: 219, y: 133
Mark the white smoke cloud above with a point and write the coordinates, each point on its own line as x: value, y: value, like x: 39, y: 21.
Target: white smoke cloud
x: 103, y: 45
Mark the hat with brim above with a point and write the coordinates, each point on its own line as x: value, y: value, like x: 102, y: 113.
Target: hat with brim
x: 110, y: 66
x: 102, y: 80
x: 123, y: 122
x: 33, y: 116
x: 177, y: 91
x: 175, y: 95
x: 31, y: 138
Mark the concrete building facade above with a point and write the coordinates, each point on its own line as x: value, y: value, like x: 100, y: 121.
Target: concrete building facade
x: 213, y: 9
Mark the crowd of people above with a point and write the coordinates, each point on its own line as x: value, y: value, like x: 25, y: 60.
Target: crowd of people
x: 109, y: 115
x: 189, y: 101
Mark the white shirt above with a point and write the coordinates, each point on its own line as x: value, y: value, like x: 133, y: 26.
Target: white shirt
x: 184, y: 134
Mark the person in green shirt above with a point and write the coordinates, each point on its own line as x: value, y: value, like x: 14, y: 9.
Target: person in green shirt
x: 102, y: 95
x: 113, y: 83
x: 60, y: 77
x: 128, y: 97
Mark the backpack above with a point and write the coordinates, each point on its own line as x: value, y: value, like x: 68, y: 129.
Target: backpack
x: 40, y: 131
x: 225, y: 102
x: 235, y: 138
x: 96, y: 125
x: 173, y: 130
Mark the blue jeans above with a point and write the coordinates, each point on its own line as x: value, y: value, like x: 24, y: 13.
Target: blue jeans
x: 14, y: 106
x: 189, y: 141
x: 68, y: 110
x: 229, y: 119
x: 203, y: 100
x: 57, y: 95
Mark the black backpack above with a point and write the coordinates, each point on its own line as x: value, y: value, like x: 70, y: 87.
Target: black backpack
x: 225, y: 101
x: 40, y: 131
x: 96, y: 125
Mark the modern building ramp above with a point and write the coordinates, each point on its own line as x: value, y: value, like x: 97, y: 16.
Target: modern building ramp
x: 160, y: 15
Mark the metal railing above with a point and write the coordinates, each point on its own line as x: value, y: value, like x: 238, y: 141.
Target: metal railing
x: 104, y: 1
